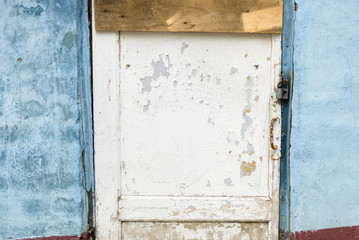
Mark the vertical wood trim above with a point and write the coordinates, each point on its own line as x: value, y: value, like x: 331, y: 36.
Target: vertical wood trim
x: 106, y: 117
x: 275, y: 111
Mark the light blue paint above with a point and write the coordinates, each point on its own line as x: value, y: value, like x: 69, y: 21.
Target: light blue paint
x: 324, y: 155
x: 84, y: 61
x: 287, y: 72
x: 45, y: 104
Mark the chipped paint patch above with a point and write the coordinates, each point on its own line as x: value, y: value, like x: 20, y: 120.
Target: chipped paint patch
x: 184, y: 46
x: 160, y: 68
x: 248, y: 168
x: 146, y: 82
x: 233, y: 71
x: 147, y: 106
x: 228, y: 182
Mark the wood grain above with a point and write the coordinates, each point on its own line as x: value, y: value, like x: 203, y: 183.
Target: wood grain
x: 234, y: 16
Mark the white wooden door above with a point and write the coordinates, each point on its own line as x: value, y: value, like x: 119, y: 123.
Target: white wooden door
x: 183, y: 144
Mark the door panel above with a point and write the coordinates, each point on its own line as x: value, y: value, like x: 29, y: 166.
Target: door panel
x: 208, y: 231
x: 194, y: 123
x: 196, y: 115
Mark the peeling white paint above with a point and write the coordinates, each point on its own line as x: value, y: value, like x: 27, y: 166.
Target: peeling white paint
x: 183, y: 123
x: 195, y: 115
x: 195, y: 231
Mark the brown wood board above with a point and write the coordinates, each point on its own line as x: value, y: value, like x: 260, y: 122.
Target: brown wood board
x: 236, y: 16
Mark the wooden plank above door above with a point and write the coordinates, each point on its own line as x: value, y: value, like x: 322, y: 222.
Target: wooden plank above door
x: 236, y: 16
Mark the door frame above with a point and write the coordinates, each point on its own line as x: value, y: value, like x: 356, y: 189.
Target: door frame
x: 106, y: 115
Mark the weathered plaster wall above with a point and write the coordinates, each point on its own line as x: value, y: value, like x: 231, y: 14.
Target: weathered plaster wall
x: 324, y: 155
x: 45, y: 119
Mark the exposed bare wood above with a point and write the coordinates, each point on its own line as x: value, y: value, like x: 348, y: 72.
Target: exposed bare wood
x: 237, y: 16
x: 193, y: 230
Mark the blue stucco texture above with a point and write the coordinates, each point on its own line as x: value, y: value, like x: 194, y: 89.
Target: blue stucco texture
x: 324, y: 154
x: 41, y: 138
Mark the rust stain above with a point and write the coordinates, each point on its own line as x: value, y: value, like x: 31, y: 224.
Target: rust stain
x: 246, y: 55
x: 247, y: 168
x: 128, y: 66
x: 248, y: 77
x: 273, y: 146
x: 256, y: 99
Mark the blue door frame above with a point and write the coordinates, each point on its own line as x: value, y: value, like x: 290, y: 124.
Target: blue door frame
x: 287, y: 71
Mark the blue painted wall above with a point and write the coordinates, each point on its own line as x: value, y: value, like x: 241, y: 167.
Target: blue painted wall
x: 45, y: 118
x: 324, y: 154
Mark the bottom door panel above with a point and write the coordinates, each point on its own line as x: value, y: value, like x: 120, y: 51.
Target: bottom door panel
x: 193, y: 231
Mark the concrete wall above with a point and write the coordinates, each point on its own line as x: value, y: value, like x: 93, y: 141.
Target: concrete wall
x: 45, y: 128
x: 45, y: 122
x: 324, y: 154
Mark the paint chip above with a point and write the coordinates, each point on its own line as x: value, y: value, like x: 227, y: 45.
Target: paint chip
x: 228, y: 182
x: 184, y: 46
x: 233, y: 71
x: 147, y: 106
x: 146, y: 81
x: 247, y: 168
x: 160, y: 68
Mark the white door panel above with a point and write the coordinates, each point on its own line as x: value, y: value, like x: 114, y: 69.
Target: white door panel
x: 194, y: 114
